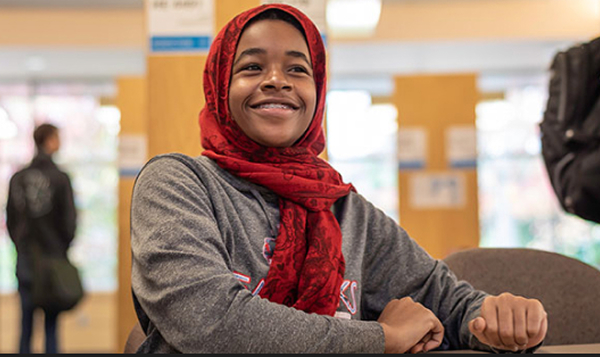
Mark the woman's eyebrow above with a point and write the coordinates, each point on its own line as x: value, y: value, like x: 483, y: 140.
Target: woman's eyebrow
x: 249, y: 52
x: 300, y: 55
x: 261, y: 51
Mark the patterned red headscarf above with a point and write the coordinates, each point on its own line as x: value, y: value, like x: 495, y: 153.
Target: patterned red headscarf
x: 307, y: 267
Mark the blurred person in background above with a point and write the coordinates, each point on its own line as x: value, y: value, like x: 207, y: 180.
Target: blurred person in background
x: 40, y: 210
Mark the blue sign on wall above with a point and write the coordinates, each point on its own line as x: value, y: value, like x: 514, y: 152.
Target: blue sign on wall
x: 179, y: 43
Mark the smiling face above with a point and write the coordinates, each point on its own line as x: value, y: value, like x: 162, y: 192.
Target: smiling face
x: 272, y: 93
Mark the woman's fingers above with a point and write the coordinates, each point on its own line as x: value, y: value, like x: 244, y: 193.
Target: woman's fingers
x: 437, y: 336
x: 537, y: 325
x: 510, y: 322
x: 410, y: 326
x: 506, y: 330
x: 520, y: 323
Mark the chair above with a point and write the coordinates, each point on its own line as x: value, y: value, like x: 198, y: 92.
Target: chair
x: 135, y: 339
x: 568, y: 288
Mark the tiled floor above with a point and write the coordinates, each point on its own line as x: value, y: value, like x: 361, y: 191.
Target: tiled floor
x: 89, y: 328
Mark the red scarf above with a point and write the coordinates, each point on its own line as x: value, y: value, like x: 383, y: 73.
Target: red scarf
x: 307, y: 267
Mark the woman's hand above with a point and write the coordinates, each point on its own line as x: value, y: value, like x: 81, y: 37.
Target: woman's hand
x: 410, y: 327
x: 510, y: 322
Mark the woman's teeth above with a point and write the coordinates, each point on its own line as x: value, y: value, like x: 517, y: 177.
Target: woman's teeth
x: 274, y: 106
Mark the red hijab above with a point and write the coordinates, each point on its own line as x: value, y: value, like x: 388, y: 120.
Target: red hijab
x: 307, y: 267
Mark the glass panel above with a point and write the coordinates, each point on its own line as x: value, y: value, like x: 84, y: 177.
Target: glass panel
x: 88, y: 154
x: 518, y: 207
x: 361, y: 143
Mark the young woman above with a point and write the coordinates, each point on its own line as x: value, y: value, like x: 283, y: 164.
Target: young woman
x: 259, y: 246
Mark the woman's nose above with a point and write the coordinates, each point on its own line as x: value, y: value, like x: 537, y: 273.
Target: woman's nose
x: 275, y: 79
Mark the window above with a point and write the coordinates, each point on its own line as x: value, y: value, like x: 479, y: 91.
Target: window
x: 518, y: 207
x: 361, y: 139
x: 89, y: 133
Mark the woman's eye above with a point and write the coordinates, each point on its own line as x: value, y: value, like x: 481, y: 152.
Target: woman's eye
x: 299, y: 69
x: 251, y: 67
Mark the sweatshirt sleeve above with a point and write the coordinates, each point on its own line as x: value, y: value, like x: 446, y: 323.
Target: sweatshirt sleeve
x: 11, y: 210
x: 68, y: 212
x: 396, y: 267
x: 182, y: 279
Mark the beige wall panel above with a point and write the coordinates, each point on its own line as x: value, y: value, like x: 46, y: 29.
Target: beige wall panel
x: 125, y: 313
x: 65, y: 27
x: 228, y: 9
x: 442, y: 231
x: 132, y: 102
x: 175, y: 100
x: 488, y: 19
x: 435, y: 103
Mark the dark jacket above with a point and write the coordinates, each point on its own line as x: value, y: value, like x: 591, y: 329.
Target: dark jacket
x: 40, y: 209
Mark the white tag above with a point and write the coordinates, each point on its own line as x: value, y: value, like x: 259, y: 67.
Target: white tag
x: 342, y: 315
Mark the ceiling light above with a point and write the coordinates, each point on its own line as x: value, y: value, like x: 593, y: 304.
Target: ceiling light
x: 353, y: 17
x: 35, y: 64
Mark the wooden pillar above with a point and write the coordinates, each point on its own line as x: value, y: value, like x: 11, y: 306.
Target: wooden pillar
x: 132, y: 102
x: 438, y: 196
x: 175, y: 92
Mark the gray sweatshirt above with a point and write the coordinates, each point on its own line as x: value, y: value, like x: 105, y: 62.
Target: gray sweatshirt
x: 201, y: 241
